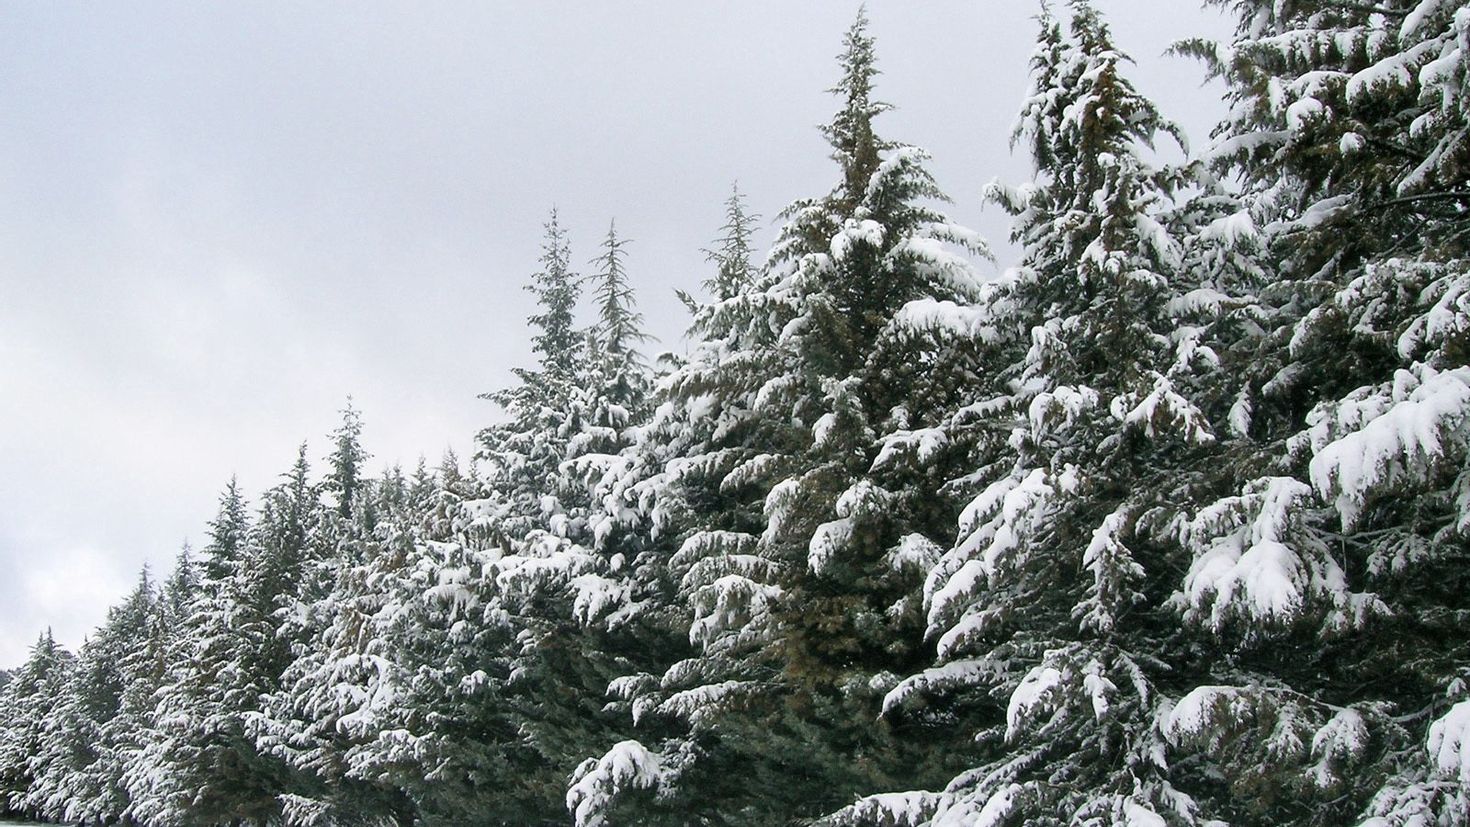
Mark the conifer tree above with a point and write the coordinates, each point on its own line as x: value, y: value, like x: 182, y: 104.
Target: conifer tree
x: 787, y: 592
x: 1347, y: 128
x: 80, y: 765
x: 1052, y: 624
x: 27, y: 703
x: 345, y: 466
x: 202, y: 765
x: 523, y: 454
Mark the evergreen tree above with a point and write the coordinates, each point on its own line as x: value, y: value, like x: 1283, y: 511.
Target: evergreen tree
x: 1051, y: 614
x: 787, y: 572
x: 82, y: 758
x: 733, y: 253
x: 27, y: 704
x: 345, y: 466
x: 202, y: 765
x: 1347, y: 128
x: 523, y: 454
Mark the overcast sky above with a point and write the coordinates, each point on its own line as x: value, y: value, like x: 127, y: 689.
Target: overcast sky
x: 218, y: 220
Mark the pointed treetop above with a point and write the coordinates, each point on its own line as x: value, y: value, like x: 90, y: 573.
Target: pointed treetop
x: 344, y: 477
x: 227, y: 534
x: 732, y: 254
x: 619, y: 326
x: 855, y: 147
x: 556, y: 289
x: 182, y: 582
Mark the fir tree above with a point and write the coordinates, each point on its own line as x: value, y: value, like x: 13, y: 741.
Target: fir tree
x: 524, y: 453
x: 27, y: 704
x: 787, y: 593
x: 1050, y: 617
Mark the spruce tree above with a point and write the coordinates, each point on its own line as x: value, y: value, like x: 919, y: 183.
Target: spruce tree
x: 90, y: 736
x: 523, y: 454
x: 1347, y: 129
x: 202, y: 765
x: 1051, y: 615
x: 785, y: 567
x: 27, y: 704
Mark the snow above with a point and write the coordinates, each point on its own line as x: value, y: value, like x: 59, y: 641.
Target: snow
x: 1449, y: 743
x: 1036, y: 689
x: 1448, y: 316
x: 995, y: 812
x: 1199, y: 300
x: 854, y: 232
x: 598, y: 781
x: 1323, y: 211
x: 727, y: 603
x: 1241, y: 413
x: 991, y: 527
x: 915, y: 552
x: 1401, y: 442
x: 1393, y: 72
x: 937, y: 679
x: 924, y: 444
x: 1419, y: 15
x: 1193, y: 713
x: 1163, y: 407
x: 1137, y: 815
x: 946, y: 316
x: 1345, y: 736
x: 595, y: 596
x: 829, y: 539
x: 1232, y: 229
x: 693, y: 704
x: 1303, y: 111
x: 1069, y: 402
x: 904, y: 809
x: 1245, y: 564
x: 1112, y: 566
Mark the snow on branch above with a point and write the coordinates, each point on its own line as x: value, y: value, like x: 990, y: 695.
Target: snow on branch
x: 598, y: 782
x: 1424, y: 423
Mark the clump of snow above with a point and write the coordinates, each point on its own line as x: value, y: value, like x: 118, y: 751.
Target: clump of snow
x: 1038, y: 688
x: 1449, y: 743
x: 1427, y: 409
x: 1245, y: 564
x: 905, y: 809
x: 829, y: 539
x: 597, y: 782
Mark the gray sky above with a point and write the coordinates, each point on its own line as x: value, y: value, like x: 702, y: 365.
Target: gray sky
x: 218, y: 220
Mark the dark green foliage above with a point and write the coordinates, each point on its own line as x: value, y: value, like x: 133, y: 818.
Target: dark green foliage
x: 1166, y: 525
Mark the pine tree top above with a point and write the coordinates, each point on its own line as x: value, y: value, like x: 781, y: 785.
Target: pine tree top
x: 619, y: 326
x: 556, y: 288
x: 733, y: 251
x: 855, y: 146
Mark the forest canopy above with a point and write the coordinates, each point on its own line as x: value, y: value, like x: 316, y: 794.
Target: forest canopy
x: 1167, y: 524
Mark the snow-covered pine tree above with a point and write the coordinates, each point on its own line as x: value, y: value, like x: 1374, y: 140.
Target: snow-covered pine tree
x: 788, y: 562
x: 80, y: 765
x: 611, y: 396
x: 1055, y: 635
x: 345, y: 471
x: 562, y: 589
x: 667, y: 490
x: 332, y: 695
x: 148, y: 668
x: 27, y: 703
x: 201, y: 765
x: 1343, y: 540
x: 523, y: 454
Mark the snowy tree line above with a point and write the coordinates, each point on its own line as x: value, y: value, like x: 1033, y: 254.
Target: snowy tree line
x: 1167, y: 525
